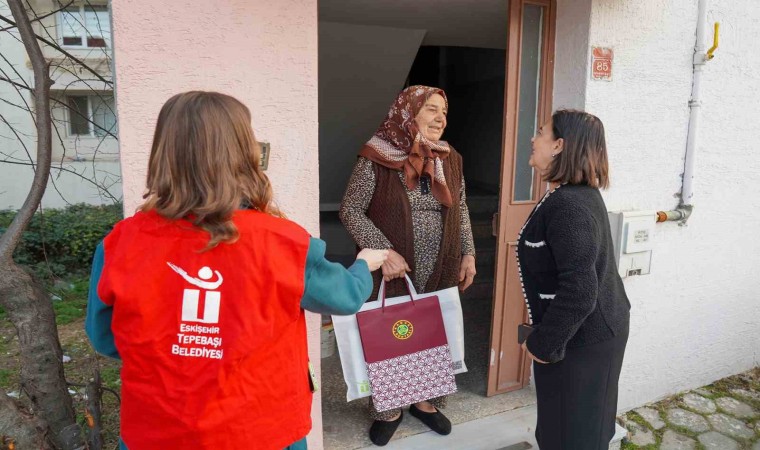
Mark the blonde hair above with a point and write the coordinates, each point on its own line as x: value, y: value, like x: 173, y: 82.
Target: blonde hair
x: 204, y: 164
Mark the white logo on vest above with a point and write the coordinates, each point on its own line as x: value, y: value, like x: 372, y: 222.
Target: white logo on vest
x: 202, y: 337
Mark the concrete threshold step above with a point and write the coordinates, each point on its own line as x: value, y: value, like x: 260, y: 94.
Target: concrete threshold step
x: 511, y: 430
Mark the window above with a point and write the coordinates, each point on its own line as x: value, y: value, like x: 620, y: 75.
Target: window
x: 85, y: 26
x: 91, y: 115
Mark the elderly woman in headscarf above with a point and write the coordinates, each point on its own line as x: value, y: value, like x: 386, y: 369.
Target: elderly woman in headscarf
x: 407, y: 194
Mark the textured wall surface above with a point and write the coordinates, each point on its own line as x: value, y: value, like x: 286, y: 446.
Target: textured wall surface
x: 695, y: 318
x: 264, y: 53
x: 16, y: 148
x: 571, y: 53
x: 361, y: 69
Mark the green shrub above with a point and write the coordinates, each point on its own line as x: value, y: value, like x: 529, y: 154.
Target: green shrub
x: 61, y: 242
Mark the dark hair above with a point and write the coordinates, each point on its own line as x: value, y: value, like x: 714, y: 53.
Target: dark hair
x: 583, y: 159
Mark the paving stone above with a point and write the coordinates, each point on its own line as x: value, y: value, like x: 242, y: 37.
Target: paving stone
x: 716, y: 441
x: 674, y: 441
x: 736, y: 408
x: 703, y: 391
x: 730, y: 426
x: 652, y: 416
x: 749, y: 395
x: 756, y: 446
x: 641, y: 436
x: 699, y: 404
x: 687, y: 419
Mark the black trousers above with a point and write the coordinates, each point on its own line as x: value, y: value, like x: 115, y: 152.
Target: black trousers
x: 577, y: 397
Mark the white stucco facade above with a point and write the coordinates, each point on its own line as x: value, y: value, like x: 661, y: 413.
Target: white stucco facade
x: 85, y: 168
x: 695, y: 318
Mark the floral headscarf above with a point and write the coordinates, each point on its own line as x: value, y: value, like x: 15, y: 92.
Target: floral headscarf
x: 399, y: 144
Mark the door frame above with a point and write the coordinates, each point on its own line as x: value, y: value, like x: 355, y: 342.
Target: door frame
x: 506, y: 356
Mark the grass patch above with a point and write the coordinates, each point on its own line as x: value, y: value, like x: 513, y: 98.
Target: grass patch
x: 749, y: 381
x: 721, y: 389
x: 646, y: 447
x: 6, y: 378
x: 682, y: 430
x: 73, y: 300
x: 111, y: 377
x: 635, y: 417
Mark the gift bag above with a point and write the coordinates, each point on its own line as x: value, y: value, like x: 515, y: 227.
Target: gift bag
x: 350, y: 346
x: 406, y: 351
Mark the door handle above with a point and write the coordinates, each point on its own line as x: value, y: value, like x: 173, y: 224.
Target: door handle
x: 495, y: 224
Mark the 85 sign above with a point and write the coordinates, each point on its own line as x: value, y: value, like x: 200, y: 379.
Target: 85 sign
x: 601, y: 63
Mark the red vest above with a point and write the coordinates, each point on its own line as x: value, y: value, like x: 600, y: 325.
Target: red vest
x: 213, y: 343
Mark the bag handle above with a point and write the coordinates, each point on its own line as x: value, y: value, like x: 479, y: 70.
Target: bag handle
x: 409, y: 287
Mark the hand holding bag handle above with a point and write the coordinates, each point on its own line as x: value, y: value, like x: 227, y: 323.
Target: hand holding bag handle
x: 409, y: 288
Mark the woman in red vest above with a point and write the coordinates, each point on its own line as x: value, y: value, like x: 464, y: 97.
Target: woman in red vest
x: 202, y: 292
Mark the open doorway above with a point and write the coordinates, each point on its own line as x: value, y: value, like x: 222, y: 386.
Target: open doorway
x: 367, y: 54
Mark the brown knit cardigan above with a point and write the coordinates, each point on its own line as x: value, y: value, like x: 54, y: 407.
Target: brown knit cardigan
x: 391, y: 213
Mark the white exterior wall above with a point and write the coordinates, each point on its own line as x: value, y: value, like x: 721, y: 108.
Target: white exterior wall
x: 64, y: 187
x: 695, y: 318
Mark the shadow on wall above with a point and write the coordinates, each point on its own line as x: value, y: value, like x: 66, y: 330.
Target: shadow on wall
x: 473, y: 79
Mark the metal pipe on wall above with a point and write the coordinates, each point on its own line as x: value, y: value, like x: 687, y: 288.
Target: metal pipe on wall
x: 700, y: 58
x: 695, y: 105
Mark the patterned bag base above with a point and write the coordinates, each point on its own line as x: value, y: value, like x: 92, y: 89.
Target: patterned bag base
x: 411, y: 378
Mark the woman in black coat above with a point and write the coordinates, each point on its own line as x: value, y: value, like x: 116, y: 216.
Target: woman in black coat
x: 576, y: 301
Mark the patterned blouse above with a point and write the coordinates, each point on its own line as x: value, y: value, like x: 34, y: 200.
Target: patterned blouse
x: 427, y: 221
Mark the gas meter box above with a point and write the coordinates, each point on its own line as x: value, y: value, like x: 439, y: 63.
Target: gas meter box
x: 632, y: 236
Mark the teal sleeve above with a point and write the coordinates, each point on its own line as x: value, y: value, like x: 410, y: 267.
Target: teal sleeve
x: 298, y: 445
x: 97, y: 324
x: 330, y: 288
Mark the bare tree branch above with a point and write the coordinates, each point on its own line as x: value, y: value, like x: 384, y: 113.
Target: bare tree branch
x: 12, y: 235
x: 40, y: 18
x: 59, y: 102
x: 21, y: 96
x: 60, y: 49
x: 94, y: 414
x: 101, y: 188
x: 20, y: 140
x: 22, y: 86
x: 89, y: 33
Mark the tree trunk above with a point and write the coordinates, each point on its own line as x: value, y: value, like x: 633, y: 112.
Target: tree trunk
x: 27, y: 305
x: 94, y: 414
x: 25, y: 431
x: 12, y: 236
x: 30, y: 310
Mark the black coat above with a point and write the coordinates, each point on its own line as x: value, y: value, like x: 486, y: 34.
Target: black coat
x: 567, y: 267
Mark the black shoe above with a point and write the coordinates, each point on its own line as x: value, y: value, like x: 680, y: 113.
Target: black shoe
x: 382, y: 431
x: 436, y: 421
